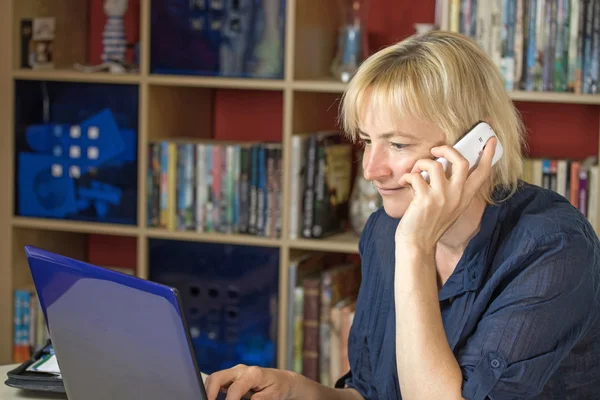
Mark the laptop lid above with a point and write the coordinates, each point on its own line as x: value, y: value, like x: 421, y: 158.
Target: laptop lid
x: 116, y: 336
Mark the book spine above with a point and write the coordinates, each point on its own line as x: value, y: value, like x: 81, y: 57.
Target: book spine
x: 253, y: 190
x: 190, y: 191
x: 319, y: 196
x: 307, y: 207
x: 171, y: 185
x: 261, y: 191
x: 269, y: 204
x: 236, y: 188
x: 200, y: 187
x: 310, y: 345
x: 208, y: 184
x: 180, y: 188
x: 244, y: 188
x: 164, y: 189
x: 278, y: 190
x: 224, y: 200
x: 216, y: 188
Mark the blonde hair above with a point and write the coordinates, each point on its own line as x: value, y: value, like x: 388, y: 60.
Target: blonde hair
x: 445, y: 79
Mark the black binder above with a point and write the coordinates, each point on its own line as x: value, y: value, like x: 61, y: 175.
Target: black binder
x: 20, y: 378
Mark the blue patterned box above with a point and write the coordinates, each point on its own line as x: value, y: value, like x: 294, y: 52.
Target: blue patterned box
x: 235, y: 38
x: 229, y: 294
x: 76, y: 151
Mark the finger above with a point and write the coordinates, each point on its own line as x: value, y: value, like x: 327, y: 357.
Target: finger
x: 416, y: 181
x: 437, y: 176
x: 483, y: 169
x: 267, y: 394
x: 249, y: 379
x: 459, y: 165
x: 216, y: 381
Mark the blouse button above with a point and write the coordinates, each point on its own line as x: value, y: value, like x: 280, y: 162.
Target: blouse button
x: 495, y: 363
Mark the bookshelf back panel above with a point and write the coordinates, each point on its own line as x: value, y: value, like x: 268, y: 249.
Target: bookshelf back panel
x: 97, y: 19
x: 179, y: 112
x: 248, y: 115
x: 317, y: 25
x: 112, y: 251
x: 315, y: 111
x: 561, y: 130
x: 65, y: 243
x: 393, y: 20
x: 71, y: 18
x: 315, y: 38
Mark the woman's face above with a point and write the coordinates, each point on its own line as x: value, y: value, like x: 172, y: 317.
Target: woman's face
x: 391, y: 149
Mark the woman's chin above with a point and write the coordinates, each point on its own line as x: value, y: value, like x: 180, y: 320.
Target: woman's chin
x: 394, y: 209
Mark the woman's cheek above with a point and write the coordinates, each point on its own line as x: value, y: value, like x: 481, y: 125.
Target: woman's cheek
x: 403, y: 165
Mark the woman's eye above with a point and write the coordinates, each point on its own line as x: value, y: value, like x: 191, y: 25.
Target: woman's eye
x: 398, y: 146
x: 365, y: 142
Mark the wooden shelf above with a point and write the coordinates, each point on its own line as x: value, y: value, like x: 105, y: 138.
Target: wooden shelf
x: 555, y: 97
x: 248, y: 240
x: 343, y: 243
x: 323, y: 85
x: 330, y: 85
x: 66, y: 75
x: 74, y: 226
x: 216, y: 82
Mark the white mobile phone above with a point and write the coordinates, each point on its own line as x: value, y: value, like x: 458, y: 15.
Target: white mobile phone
x: 471, y: 145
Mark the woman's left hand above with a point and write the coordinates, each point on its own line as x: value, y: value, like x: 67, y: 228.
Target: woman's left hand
x: 437, y: 205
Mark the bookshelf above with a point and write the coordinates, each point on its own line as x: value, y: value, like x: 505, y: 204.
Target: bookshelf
x: 169, y: 103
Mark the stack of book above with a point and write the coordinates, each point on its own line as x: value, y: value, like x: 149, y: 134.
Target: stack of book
x: 323, y: 288
x: 576, y: 180
x: 539, y: 45
x: 215, y: 187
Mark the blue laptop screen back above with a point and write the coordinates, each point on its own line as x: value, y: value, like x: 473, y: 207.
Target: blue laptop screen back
x: 115, y: 336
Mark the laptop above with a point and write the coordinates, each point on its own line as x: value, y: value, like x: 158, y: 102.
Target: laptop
x: 115, y: 336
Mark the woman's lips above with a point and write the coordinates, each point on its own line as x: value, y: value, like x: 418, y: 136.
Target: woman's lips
x: 388, y: 191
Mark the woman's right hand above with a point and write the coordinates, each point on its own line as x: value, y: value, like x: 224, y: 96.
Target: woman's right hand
x: 262, y: 383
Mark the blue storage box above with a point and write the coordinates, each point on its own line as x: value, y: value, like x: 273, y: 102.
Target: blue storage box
x: 229, y: 295
x: 76, y: 151
x: 234, y: 38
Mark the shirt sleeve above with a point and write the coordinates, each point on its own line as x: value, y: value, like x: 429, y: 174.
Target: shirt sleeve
x: 537, y: 317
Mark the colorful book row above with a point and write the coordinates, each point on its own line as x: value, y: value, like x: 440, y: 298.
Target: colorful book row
x: 539, y: 45
x: 577, y: 180
x: 321, y: 301
x: 215, y: 187
x: 30, y: 331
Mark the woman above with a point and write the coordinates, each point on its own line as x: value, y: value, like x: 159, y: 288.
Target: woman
x: 475, y: 285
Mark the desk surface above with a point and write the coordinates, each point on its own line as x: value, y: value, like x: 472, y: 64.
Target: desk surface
x: 9, y: 393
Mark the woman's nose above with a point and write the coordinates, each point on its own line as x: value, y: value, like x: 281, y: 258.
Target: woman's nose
x: 375, y: 165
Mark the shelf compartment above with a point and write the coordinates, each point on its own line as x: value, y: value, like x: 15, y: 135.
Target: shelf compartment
x: 233, y: 39
x: 113, y: 252
x: 83, y: 246
x: 315, y: 38
x: 315, y: 112
x: 229, y: 295
x: 237, y: 239
x: 78, y: 29
x: 191, y: 113
x: 76, y: 147
x: 346, y: 242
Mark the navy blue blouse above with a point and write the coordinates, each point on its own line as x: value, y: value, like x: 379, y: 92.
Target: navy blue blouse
x: 520, y: 310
